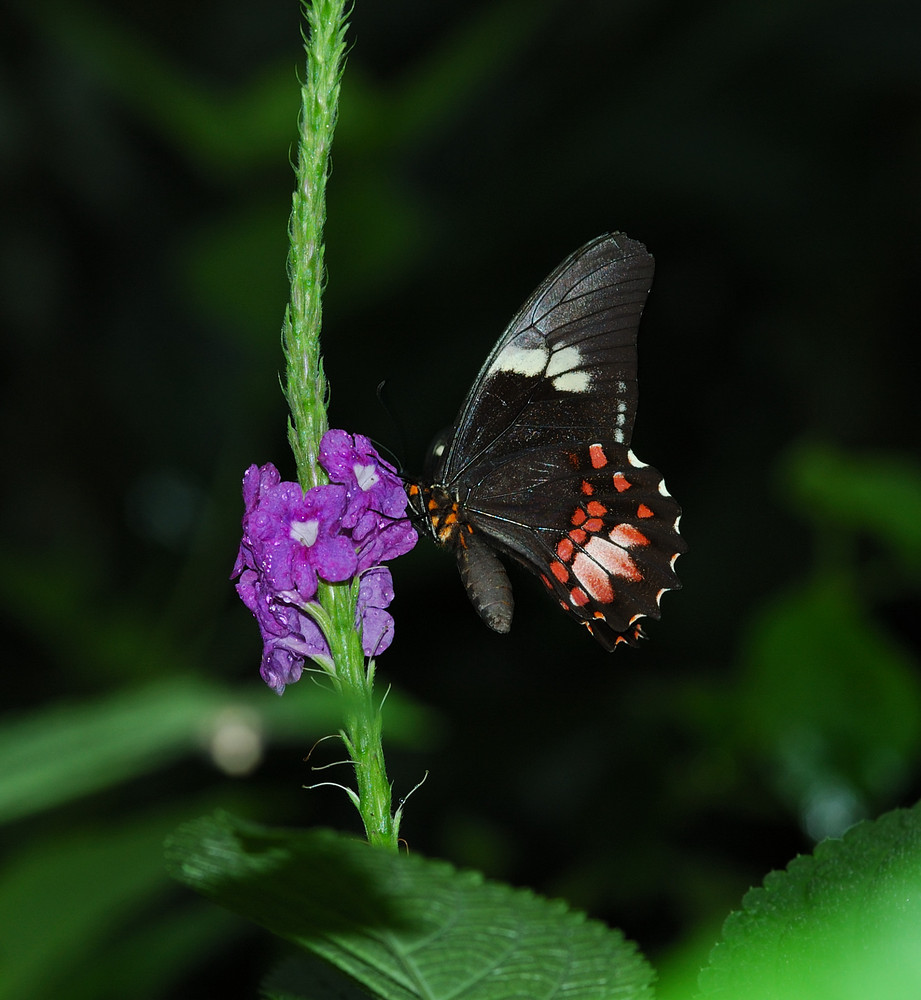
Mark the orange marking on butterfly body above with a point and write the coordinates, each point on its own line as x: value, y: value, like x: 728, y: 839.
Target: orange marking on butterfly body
x: 598, y: 458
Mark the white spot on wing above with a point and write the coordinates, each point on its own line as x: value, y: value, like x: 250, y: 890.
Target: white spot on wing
x: 521, y: 358
x: 634, y: 461
x: 662, y: 488
x: 564, y: 360
x: 573, y: 382
x: 612, y: 557
x: 563, y: 371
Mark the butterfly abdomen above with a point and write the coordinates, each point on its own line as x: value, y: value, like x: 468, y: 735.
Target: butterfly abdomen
x: 485, y: 580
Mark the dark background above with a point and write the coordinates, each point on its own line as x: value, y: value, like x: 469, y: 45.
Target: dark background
x: 769, y: 155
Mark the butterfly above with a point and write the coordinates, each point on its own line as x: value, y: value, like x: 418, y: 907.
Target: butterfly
x: 538, y: 465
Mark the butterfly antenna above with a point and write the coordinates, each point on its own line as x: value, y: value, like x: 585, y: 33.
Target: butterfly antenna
x: 398, y: 427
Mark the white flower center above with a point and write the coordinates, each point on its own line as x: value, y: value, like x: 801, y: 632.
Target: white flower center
x: 305, y: 532
x: 366, y: 475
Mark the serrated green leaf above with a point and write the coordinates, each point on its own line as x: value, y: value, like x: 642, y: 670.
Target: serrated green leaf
x: 405, y: 927
x: 844, y: 922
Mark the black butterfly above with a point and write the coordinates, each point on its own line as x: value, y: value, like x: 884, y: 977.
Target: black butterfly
x: 538, y: 466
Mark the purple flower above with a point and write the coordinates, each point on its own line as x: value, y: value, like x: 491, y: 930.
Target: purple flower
x: 291, y: 537
x: 376, y: 501
x: 332, y: 532
x: 371, y: 482
x: 289, y: 635
x: 375, y: 592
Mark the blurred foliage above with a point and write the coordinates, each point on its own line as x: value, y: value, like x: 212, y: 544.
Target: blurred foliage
x: 768, y: 155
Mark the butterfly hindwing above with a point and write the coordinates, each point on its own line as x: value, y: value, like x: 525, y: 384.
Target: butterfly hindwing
x: 595, y: 524
x: 538, y: 466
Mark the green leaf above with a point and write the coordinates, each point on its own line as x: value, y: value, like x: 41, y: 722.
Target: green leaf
x: 402, y: 926
x: 828, y: 696
x: 844, y: 922
x: 875, y: 493
x: 63, y: 897
x: 304, y: 977
x: 59, y: 753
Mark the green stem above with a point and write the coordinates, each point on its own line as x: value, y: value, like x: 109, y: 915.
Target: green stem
x: 362, y: 731
x: 306, y: 390
x: 306, y: 382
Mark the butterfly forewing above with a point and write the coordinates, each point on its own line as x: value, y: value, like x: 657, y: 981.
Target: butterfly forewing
x: 538, y: 465
x: 565, y: 369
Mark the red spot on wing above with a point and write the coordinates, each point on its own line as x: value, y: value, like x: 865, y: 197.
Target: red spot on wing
x: 559, y: 571
x: 598, y: 458
x: 564, y: 549
x: 621, y: 482
x: 578, y: 516
x: 644, y: 511
x: 578, y: 597
x: 593, y: 524
x: 596, y: 509
x: 578, y: 535
x: 587, y: 488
